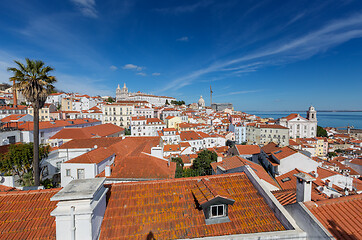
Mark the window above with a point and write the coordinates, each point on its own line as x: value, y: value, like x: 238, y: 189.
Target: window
x: 67, y: 172
x: 80, y: 173
x: 217, y: 210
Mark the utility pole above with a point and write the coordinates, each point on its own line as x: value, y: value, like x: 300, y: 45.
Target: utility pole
x: 211, y: 96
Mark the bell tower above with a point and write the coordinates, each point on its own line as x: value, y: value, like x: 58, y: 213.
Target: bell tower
x: 312, y: 114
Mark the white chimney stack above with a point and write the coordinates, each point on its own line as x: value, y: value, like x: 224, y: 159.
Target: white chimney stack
x: 157, y: 152
x: 304, y: 187
x: 80, y: 210
x: 107, y: 171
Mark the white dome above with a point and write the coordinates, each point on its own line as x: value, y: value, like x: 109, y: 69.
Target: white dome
x: 201, y: 102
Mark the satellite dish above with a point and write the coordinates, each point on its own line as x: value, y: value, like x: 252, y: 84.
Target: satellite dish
x: 95, y: 147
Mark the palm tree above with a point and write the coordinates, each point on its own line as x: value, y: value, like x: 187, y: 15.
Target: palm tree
x: 35, y: 83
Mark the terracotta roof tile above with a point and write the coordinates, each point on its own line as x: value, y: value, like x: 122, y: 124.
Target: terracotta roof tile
x: 284, y: 152
x: 90, y: 142
x: 340, y: 216
x: 102, y: 130
x: 26, y: 214
x: 248, y: 149
x: 167, y: 209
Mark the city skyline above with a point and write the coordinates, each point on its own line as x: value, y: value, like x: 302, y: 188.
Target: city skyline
x: 257, y: 55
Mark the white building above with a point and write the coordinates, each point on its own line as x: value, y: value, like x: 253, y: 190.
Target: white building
x: 287, y: 159
x: 87, y: 165
x: 124, y: 95
x: 142, y: 126
x: 262, y: 134
x: 239, y: 130
x: 300, y: 127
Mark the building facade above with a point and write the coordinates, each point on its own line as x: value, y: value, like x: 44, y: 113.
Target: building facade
x: 300, y: 127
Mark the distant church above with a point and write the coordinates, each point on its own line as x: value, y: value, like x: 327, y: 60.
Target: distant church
x: 300, y: 127
x: 122, y: 94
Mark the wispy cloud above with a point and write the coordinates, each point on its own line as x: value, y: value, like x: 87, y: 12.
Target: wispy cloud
x: 183, y: 39
x: 141, y: 74
x: 282, y: 51
x: 86, y: 7
x: 83, y: 84
x: 113, y: 68
x: 185, y: 8
x: 133, y: 67
x: 156, y: 74
x: 239, y: 92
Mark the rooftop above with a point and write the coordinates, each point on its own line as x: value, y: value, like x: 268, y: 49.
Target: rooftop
x: 167, y: 209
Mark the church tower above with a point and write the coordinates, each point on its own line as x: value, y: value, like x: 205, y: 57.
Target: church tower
x: 122, y: 94
x: 312, y: 114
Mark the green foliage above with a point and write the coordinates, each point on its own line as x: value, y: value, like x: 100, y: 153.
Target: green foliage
x: 332, y: 154
x: 110, y: 100
x: 179, y: 103
x: 338, y: 151
x: 202, y: 164
x: 18, y: 161
x: 179, y: 167
x: 243, y: 143
x: 127, y: 131
x: 48, y: 183
x: 321, y: 132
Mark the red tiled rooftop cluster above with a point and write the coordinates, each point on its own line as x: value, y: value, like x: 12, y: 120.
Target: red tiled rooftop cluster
x: 167, y: 210
x: 26, y: 214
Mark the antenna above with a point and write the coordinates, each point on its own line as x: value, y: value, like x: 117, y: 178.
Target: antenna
x: 210, y: 96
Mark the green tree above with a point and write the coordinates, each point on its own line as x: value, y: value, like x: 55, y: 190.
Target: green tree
x: 34, y: 81
x: 110, y: 100
x: 332, y: 154
x: 202, y: 164
x: 179, y: 167
x: 321, y: 132
x: 127, y: 131
x: 19, y: 161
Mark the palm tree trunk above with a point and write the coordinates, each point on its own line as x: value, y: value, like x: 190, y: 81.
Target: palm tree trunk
x: 36, y: 146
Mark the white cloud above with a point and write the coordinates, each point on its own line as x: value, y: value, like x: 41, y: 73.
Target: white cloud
x: 113, y: 68
x: 185, y: 8
x: 239, y: 92
x: 282, y: 52
x: 183, y: 39
x: 86, y: 7
x: 156, y: 74
x: 141, y: 74
x: 133, y: 67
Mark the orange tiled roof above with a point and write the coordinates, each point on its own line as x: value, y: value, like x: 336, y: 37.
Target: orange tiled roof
x: 101, y: 130
x: 171, y: 148
x: 95, y: 156
x: 236, y: 161
x: 26, y: 214
x: 340, y: 216
x: 248, y: 149
x: 133, y: 160
x: 284, y: 152
x: 286, y: 196
x: 270, y: 147
x: 167, y: 209
x: 12, y: 117
x: 90, y: 142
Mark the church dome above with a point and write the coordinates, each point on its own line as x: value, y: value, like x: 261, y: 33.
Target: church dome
x: 201, y: 102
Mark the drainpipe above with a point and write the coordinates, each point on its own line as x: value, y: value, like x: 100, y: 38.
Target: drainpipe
x: 72, y: 228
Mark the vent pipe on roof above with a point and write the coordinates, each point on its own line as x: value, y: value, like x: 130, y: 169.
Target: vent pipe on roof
x: 304, y: 187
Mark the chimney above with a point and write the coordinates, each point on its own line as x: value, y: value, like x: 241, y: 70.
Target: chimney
x: 157, y: 151
x: 304, y: 187
x: 107, y: 171
x: 80, y: 209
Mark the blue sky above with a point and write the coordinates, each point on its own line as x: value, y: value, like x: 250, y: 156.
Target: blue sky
x: 258, y: 55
